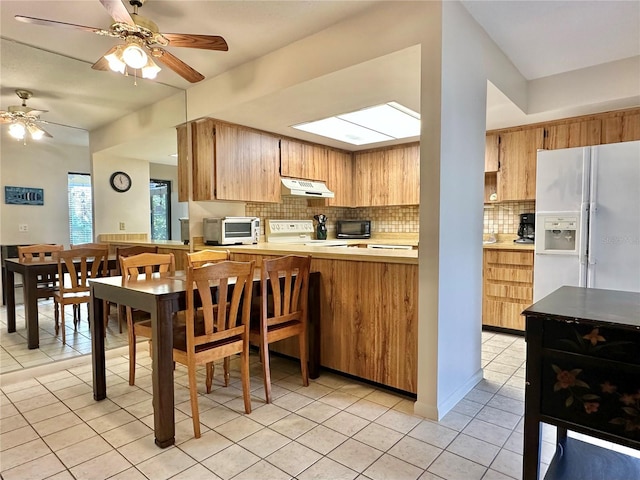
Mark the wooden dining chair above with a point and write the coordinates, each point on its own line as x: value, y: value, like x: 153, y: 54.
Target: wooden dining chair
x: 105, y: 273
x: 221, y: 331
x: 80, y: 264
x: 128, y: 252
x: 284, y: 290
x: 209, y: 257
x: 46, y: 282
x: 140, y: 268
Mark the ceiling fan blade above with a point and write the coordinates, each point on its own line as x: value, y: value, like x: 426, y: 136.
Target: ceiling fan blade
x: 54, y: 23
x: 177, y: 65
x: 103, y: 63
x: 46, y: 134
x: 118, y: 12
x: 5, y: 120
x: 206, y: 42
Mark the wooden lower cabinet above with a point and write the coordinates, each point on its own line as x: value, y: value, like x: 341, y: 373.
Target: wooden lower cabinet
x: 369, y: 320
x: 507, y: 287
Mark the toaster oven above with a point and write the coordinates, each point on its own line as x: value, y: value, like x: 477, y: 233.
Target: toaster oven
x: 230, y: 230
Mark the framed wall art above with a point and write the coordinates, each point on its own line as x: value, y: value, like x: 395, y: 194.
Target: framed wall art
x: 23, y: 196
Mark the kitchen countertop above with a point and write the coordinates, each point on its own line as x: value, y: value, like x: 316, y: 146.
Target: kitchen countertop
x: 353, y: 253
x: 508, y: 246
x: 504, y: 241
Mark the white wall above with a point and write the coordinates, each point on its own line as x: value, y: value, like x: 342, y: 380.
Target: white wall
x: 111, y: 207
x: 39, y: 164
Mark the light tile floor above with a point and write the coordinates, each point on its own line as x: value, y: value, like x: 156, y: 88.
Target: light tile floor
x: 337, y: 428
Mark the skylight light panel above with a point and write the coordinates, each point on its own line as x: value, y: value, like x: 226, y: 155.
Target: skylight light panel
x: 386, y: 119
x: 343, y: 131
x: 379, y: 123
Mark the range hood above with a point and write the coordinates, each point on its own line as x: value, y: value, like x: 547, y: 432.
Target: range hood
x: 305, y: 188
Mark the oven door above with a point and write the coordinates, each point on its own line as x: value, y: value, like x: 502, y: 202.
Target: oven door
x: 237, y: 230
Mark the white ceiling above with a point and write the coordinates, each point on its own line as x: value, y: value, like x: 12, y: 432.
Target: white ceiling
x: 540, y: 37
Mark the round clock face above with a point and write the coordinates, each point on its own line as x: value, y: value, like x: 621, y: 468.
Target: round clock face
x: 120, y: 181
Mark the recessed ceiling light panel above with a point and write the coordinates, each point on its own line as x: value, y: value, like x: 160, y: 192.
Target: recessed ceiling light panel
x: 375, y: 124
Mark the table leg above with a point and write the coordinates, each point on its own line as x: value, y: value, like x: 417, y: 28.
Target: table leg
x: 532, y: 425
x: 10, y: 292
x: 30, y: 290
x: 313, y: 315
x: 162, y: 375
x: 97, y: 348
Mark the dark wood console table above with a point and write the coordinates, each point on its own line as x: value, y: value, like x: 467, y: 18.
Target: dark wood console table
x: 583, y: 375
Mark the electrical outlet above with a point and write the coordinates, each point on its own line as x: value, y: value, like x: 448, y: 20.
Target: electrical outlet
x: 121, y: 225
x: 23, y: 227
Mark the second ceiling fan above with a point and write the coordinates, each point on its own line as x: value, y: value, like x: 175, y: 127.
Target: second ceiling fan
x: 143, y: 42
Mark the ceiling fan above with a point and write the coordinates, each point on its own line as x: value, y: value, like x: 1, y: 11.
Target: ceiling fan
x: 143, y: 43
x: 23, y: 119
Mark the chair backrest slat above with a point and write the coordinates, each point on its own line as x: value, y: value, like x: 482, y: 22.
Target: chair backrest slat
x: 288, y: 279
x: 147, y: 264
x: 38, y: 252
x: 203, y: 257
x: 81, y: 264
x: 219, y: 314
x: 130, y: 251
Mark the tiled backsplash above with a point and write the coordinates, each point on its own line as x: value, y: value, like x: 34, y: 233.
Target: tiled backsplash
x: 383, y: 219
x: 504, y: 217
x: 498, y: 217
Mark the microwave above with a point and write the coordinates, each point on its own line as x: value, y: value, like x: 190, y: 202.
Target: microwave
x: 231, y: 230
x: 353, y: 229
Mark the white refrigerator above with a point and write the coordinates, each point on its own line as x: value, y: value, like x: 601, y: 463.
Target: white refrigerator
x: 587, y: 231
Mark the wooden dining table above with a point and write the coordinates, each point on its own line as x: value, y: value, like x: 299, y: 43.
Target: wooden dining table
x: 30, y: 271
x: 162, y: 296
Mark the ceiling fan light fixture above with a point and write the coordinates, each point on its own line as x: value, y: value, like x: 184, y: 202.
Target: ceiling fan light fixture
x: 133, y: 54
x: 35, y: 132
x: 150, y: 70
x: 116, y: 64
x: 17, y: 130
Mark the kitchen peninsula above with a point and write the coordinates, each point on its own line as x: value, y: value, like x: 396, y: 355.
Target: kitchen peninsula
x: 369, y: 306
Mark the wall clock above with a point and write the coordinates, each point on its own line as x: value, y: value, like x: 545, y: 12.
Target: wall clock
x: 120, y: 181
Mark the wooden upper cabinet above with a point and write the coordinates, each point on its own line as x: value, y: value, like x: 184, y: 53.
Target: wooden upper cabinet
x: 234, y: 163
x: 303, y: 160
x: 491, y: 152
x: 573, y: 134
x: 621, y: 128
x: 183, y: 163
x: 404, y: 175
x: 518, y: 153
x: 389, y: 176
x: 340, y: 178
x: 246, y: 164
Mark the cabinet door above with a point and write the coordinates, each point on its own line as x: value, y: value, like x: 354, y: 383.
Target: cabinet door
x: 246, y: 164
x: 403, y: 181
x: 340, y: 178
x: 491, y: 152
x: 574, y: 134
x: 621, y: 128
x: 203, y: 166
x: 183, y: 163
x: 517, y: 175
x: 303, y: 160
x: 387, y: 176
x: 369, y: 169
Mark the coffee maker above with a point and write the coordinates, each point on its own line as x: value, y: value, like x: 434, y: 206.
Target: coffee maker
x: 526, y: 229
